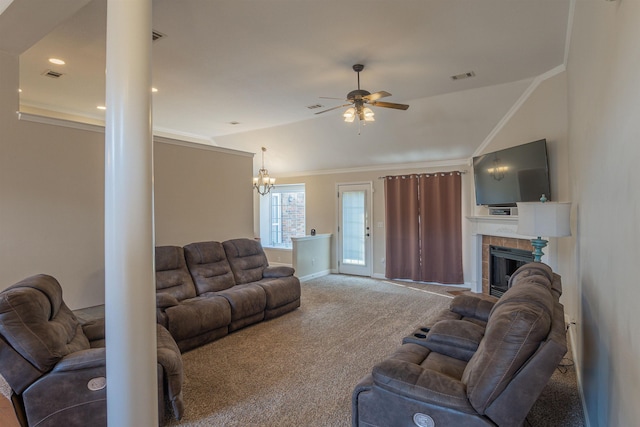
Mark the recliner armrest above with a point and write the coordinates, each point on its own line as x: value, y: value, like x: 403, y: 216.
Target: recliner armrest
x: 277, y: 271
x: 425, y: 385
x: 84, y: 359
x: 164, y: 300
x: 455, y: 338
x: 94, y: 330
x: 477, y: 306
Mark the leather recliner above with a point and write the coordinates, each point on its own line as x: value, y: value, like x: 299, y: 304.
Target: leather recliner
x: 483, y: 362
x: 56, y: 367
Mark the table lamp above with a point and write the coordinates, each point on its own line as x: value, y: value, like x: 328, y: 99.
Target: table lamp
x: 543, y: 219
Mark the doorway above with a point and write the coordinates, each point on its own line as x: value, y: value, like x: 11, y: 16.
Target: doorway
x: 354, y: 229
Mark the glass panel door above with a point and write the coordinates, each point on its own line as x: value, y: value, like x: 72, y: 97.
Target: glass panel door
x: 354, y: 230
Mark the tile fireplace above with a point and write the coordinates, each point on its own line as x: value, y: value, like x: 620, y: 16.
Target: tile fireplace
x: 498, y: 231
x: 503, y: 262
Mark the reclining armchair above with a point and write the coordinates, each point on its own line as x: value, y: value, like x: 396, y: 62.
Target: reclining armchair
x: 56, y: 366
x: 484, y: 362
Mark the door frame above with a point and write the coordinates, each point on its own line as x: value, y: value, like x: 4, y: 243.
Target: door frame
x: 368, y: 187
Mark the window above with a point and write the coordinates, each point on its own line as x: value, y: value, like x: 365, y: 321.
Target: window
x: 282, y: 215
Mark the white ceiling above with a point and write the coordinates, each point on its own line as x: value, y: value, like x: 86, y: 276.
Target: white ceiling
x: 262, y: 62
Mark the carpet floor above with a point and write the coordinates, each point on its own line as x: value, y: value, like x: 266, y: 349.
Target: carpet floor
x: 301, y: 368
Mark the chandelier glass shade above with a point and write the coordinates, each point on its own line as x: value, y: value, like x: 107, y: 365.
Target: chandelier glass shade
x: 263, y: 182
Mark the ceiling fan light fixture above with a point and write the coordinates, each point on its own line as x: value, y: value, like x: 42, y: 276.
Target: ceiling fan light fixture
x: 368, y: 115
x: 349, y: 115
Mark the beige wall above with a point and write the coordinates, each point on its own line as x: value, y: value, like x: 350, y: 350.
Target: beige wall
x: 201, y: 194
x: 604, y: 148
x: 52, y: 198
x: 543, y: 114
x: 322, y: 206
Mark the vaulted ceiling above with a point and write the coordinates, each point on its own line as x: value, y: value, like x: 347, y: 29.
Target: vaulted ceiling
x: 262, y: 63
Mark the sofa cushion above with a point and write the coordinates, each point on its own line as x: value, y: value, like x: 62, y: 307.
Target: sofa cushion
x: 172, y: 275
x: 518, y: 323
x: 280, y: 291
x: 246, y: 258
x: 197, y: 315
x: 209, y: 268
x: 37, y: 323
x: 245, y: 300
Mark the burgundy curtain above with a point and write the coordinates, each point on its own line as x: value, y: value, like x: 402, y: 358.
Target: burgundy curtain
x: 424, y: 227
x: 440, y: 205
x: 402, y: 232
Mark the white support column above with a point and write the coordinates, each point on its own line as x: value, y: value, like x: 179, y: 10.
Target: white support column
x: 132, y: 392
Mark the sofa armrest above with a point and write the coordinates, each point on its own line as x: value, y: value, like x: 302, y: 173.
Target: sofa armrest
x: 455, y: 338
x: 171, y: 361
x: 84, y: 359
x: 472, y: 305
x: 277, y: 271
x: 94, y: 330
x: 425, y: 385
x: 164, y: 300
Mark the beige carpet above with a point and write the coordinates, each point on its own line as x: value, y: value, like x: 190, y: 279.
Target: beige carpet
x: 301, y: 368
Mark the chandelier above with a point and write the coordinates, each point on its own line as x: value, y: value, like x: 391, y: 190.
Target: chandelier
x: 263, y: 183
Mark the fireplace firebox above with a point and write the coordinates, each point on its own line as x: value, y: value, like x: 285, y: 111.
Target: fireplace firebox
x: 503, y: 263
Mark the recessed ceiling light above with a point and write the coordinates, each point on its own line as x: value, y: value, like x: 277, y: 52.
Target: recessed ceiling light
x: 234, y: 123
x: 56, y: 61
x: 154, y: 89
x: 101, y: 107
x: 20, y: 90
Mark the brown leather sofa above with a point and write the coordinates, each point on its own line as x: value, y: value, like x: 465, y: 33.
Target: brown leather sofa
x: 56, y: 366
x: 482, y: 362
x: 208, y: 289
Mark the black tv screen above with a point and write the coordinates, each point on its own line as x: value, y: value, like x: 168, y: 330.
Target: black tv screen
x: 516, y: 174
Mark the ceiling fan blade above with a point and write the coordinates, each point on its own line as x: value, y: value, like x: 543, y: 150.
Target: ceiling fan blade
x: 334, y: 108
x: 376, y: 95
x: 390, y: 105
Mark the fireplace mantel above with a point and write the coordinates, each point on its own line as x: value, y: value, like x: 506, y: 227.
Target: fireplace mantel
x: 495, y: 225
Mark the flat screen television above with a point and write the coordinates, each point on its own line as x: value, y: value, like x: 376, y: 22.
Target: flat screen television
x: 516, y: 174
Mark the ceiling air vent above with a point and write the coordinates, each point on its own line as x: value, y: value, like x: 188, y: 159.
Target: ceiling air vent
x: 463, y: 75
x: 157, y: 35
x: 52, y: 74
x: 314, y: 106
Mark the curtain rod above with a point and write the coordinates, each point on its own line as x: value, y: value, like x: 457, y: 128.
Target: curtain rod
x: 423, y: 173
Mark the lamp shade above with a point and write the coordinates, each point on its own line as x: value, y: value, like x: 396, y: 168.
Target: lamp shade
x: 548, y: 219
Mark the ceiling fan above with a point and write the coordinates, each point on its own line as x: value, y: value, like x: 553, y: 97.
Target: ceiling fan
x: 359, y: 98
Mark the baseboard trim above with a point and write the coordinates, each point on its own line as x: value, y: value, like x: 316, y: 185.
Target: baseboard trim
x: 315, y: 275
x: 576, y: 363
